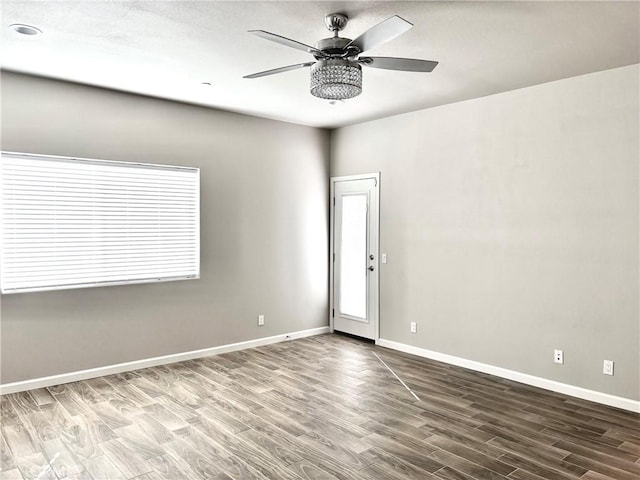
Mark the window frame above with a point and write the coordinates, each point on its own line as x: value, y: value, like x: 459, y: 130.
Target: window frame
x: 190, y: 174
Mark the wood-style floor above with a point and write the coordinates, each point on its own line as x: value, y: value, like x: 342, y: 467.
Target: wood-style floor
x: 318, y: 408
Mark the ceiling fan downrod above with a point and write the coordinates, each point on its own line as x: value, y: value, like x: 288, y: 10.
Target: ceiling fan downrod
x: 335, y: 47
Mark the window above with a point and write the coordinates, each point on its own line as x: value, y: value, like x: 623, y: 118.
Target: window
x: 74, y: 223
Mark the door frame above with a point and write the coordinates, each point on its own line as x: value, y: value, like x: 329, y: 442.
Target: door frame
x: 375, y: 223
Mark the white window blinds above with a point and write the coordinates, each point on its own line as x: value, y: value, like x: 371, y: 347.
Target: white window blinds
x: 73, y: 223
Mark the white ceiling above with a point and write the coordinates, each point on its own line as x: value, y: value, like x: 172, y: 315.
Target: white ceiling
x: 168, y: 48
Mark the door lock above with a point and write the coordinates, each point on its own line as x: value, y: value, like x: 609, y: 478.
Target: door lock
x: 371, y: 269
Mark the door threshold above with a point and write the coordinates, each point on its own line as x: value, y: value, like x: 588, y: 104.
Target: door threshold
x: 354, y: 337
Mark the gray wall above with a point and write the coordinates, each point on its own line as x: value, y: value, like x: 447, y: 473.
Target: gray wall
x: 264, y: 222
x: 511, y: 226
x: 510, y: 221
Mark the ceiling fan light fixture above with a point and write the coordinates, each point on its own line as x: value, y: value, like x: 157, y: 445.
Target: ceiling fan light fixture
x: 336, y: 73
x: 336, y: 79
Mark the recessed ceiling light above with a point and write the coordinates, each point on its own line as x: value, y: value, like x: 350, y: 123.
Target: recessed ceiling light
x: 25, y: 29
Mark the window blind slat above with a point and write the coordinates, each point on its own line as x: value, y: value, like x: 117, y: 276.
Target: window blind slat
x: 90, y: 261
x: 74, y: 223
x: 75, y: 272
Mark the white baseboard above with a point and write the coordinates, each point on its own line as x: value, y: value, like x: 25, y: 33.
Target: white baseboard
x: 579, y: 392
x: 152, y: 362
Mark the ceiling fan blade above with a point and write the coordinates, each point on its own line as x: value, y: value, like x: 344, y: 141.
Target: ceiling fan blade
x: 285, y: 41
x: 383, y: 32
x: 406, y: 64
x: 279, y: 70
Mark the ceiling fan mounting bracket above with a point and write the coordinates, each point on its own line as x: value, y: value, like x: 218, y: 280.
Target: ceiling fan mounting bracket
x: 336, y: 22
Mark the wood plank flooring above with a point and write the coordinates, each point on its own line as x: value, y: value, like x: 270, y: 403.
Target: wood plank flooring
x: 318, y: 408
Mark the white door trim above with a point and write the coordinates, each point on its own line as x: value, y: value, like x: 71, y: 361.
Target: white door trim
x: 376, y: 272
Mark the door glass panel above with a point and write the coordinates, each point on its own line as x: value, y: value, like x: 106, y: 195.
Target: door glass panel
x: 353, y: 271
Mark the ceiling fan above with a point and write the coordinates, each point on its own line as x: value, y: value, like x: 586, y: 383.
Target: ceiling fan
x: 336, y: 73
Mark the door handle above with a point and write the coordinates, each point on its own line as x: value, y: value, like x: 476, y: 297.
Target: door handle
x: 371, y: 269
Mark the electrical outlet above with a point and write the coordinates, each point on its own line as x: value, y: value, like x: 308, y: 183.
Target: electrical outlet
x: 607, y: 367
x: 260, y: 320
x: 558, y: 356
x: 414, y: 327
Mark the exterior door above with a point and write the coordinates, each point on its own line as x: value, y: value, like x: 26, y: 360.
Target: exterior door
x: 354, y: 255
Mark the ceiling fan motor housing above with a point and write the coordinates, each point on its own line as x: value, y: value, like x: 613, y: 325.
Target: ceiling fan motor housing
x: 336, y: 47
